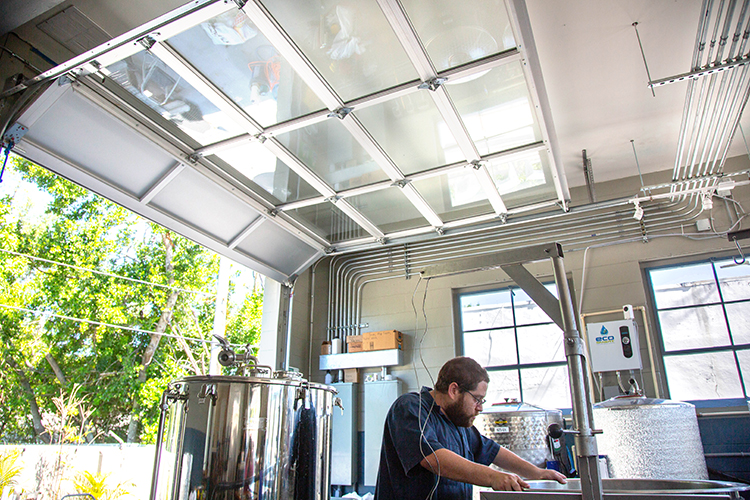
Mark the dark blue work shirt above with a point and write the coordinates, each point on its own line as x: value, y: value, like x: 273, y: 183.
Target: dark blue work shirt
x: 401, y: 477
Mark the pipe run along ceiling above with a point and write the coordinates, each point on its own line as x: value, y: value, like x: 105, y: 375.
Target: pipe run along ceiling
x: 280, y: 132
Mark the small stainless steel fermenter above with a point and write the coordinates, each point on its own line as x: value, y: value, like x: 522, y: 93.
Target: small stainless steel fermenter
x: 257, y: 437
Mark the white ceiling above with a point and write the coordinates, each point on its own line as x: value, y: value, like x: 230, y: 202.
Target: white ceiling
x: 592, y: 76
x: 597, y: 84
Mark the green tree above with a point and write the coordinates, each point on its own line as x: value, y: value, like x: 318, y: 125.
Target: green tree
x: 121, y: 373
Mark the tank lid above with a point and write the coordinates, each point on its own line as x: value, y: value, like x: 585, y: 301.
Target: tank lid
x: 635, y: 401
x: 512, y: 406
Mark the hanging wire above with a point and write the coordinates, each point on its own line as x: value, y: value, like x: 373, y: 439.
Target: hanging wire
x: 7, y: 148
x: 111, y: 275
x: 111, y: 325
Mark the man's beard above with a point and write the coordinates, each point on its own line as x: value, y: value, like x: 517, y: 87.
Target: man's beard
x: 457, y: 415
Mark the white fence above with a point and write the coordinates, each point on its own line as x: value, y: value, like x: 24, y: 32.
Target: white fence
x: 49, y: 470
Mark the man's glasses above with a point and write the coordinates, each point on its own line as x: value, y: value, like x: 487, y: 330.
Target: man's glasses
x: 479, y: 401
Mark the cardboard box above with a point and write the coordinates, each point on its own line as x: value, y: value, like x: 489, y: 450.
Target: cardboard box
x: 351, y: 375
x: 354, y: 343
x: 377, y: 341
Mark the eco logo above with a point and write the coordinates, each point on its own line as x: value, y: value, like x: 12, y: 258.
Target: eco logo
x: 604, y: 336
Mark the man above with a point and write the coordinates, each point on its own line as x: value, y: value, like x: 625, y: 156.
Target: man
x: 431, y: 450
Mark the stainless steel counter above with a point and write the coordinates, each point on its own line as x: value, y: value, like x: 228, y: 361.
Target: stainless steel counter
x: 626, y: 489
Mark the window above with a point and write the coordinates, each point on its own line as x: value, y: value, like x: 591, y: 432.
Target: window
x: 518, y: 344
x: 703, y: 313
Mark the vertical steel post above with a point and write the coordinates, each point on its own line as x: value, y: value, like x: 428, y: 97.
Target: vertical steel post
x: 583, y: 414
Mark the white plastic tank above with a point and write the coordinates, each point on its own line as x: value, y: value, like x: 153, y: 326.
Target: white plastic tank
x: 650, y: 438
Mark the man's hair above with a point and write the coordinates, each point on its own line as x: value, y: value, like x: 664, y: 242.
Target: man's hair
x: 464, y: 371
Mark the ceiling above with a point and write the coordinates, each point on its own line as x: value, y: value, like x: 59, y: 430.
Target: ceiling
x: 282, y: 133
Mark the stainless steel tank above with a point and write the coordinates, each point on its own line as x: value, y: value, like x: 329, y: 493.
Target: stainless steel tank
x: 256, y: 437
x: 650, y: 438
x: 520, y: 427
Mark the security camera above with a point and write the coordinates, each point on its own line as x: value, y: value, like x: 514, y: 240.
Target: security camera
x: 627, y: 311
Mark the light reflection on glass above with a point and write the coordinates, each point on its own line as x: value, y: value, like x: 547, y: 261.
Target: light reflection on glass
x: 259, y: 165
x: 163, y: 90
x: 236, y: 57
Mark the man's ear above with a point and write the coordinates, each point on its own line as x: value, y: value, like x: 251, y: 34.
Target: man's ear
x: 454, y: 390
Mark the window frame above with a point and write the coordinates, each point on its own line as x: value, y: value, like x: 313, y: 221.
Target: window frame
x: 546, y: 280
x: 659, y: 344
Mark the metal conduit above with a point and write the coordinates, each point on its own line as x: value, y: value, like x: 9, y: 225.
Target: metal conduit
x: 342, y: 315
x: 373, y: 265
x: 350, y: 273
x: 714, y: 105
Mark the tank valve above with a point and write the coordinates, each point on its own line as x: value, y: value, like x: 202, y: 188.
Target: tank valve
x: 556, y: 431
x: 228, y: 356
x: 337, y: 402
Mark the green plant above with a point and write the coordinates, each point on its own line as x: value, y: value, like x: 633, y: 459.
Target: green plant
x: 97, y: 485
x: 9, y: 469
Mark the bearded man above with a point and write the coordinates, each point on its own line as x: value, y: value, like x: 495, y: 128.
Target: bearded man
x: 431, y: 449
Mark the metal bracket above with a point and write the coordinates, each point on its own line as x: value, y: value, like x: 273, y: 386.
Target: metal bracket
x: 433, y: 84
x: 240, y: 3
x: 329, y: 250
x: 503, y: 218
x: 261, y: 138
x: 147, y: 41
x: 476, y: 164
x: 333, y: 199
x: 401, y: 183
x: 273, y: 212
x: 564, y: 205
x: 440, y: 231
x: 574, y: 347
x: 14, y: 134
x: 193, y: 158
x: 340, y: 113
x: 207, y: 391
x: 382, y: 241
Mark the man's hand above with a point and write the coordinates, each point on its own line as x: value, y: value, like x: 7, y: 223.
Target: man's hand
x: 552, y: 475
x: 508, y: 482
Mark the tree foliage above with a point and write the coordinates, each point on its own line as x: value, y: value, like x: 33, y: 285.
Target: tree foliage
x: 119, y: 372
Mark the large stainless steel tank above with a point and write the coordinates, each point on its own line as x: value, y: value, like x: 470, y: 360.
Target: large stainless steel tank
x: 520, y: 427
x: 256, y: 437
x: 650, y: 438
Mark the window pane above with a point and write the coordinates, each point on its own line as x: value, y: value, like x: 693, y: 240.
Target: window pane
x: 540, y: 344
x: 330, y: 151
x: 527, y: 312
x: 684, y: 285
x: 744, y: 357
x: 486, y: 310
x: 259, y: 165
x: 503, y: 385
x: 497, y: 109
x: 455, y: 33
x: 330, y: 222
x: 235, y: 56
x: 389, y: 209
x: 350, y: 43
x: 411, y: 131
x: 694, y: 327
x: 739, y: 321
x: 703, y: 376
x: 160, y: 88
x: 546, y: 387
x: 492, y: 348
x: 455, y: 195
x: 734, y: 280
